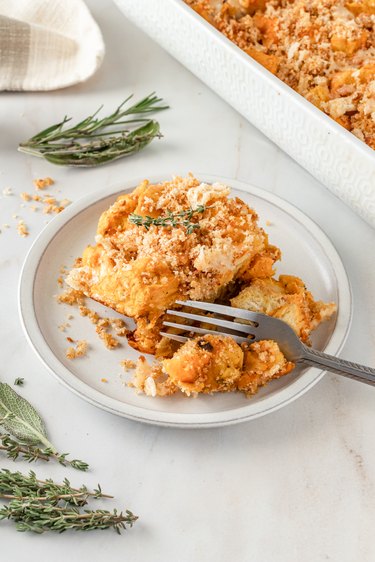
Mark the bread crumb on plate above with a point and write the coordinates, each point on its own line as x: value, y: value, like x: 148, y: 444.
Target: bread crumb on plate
x: 80, y: 350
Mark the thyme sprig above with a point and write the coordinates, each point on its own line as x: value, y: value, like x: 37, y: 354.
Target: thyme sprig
x: 18, y: 486
x: 39, y: 506
x: 173, y: 220
x: 94, y: 141
x: 39, y: 518
x: 32, y: 453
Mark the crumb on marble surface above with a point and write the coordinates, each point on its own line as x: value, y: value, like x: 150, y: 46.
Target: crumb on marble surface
x: 22, y: 228
x: 42, y: 183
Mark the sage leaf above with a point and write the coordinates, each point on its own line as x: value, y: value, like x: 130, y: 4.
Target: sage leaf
x: 20, y: 418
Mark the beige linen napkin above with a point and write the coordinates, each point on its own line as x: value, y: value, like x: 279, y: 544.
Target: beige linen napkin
x: 47, y: 44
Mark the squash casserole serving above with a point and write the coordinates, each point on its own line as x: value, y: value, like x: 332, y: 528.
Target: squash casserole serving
x: 187, y: 240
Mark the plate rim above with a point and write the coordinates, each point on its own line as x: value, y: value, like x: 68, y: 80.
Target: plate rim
x: 39, y: 345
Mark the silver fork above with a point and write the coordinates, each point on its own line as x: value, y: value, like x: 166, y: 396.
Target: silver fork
x: 259, y: 327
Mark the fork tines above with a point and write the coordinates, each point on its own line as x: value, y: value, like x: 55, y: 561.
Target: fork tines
x: 227, y: 327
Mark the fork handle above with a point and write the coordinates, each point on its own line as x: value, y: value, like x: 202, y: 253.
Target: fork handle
x: 339, y: 366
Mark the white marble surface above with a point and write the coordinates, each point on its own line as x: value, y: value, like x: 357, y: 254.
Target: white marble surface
x: 296, y: 485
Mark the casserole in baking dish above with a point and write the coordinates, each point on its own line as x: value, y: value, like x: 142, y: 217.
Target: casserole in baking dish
x: 326, y: 149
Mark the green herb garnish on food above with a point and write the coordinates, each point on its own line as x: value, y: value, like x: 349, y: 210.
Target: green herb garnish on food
x: 27, y: 431
x: 19, y: 381
x: 170, y: 219
x: 44, y: 505
x: 95, y: 141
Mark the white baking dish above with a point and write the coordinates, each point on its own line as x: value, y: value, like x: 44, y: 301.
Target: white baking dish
x: 333, y: 155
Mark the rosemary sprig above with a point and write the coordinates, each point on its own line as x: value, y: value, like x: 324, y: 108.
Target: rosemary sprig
x: 39, y: 506
x: 31, y: 453
x: 95, y: 141
x: 183, y: 218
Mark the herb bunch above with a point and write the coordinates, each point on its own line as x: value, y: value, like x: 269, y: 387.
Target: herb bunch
x: 94, y: 141
x: 44, y: 505
x: 39, y: 506
x: 173, y: 220
x: 25, y: 432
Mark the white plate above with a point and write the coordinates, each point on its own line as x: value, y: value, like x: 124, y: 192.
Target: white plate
x: 307, y: 252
